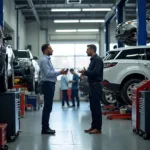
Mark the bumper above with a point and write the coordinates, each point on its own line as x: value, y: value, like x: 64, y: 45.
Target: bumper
x: 25, y: 73
x: 107, y: 86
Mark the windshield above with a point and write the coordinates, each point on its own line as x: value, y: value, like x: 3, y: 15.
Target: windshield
x: 111, y: 55
x: 21, y: 54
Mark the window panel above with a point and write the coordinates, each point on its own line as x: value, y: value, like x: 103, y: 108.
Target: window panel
x: 129, y: 54
x: 63, y: 62
x: 80, y: 49
x: 81, y: 62
x: 63, y: 49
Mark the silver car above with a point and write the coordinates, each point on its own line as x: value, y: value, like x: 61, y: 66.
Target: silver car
x: 127, y: 32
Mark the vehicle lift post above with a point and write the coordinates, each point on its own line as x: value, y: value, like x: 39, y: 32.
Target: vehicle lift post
x: 118, y: 13
x: 141, y: 18
x: 22, y: 100
x: 1, y: 14
x: 120, y: 8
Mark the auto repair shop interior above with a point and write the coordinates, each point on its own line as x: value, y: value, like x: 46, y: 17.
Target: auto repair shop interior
x: 120, y: 29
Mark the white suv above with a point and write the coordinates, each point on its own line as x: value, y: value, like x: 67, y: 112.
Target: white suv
x: 124, y: 68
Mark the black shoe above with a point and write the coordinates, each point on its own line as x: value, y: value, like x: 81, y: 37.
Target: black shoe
x: 73, y: 106
x: 48, y: 131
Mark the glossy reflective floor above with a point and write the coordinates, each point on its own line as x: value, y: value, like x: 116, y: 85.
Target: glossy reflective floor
x: 69, y: 125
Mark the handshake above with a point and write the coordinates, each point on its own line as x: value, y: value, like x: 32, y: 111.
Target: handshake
x: 65, y: 71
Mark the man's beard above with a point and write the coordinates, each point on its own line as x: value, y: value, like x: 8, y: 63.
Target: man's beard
x: 49, y: 54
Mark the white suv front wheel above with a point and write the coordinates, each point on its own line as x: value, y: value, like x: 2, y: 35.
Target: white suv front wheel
x: 108, y: 98
x: 126, y: 90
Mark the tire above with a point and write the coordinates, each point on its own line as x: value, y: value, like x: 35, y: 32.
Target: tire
x: 11, y: 78
x: 127, y: 87
x: 4, y: 79
x: 120, y: 99
x: 108, y: 98
x: 11, y: 81
x: 31, y: 85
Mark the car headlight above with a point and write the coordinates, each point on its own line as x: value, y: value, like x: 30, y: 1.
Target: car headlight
x: 28, y: 64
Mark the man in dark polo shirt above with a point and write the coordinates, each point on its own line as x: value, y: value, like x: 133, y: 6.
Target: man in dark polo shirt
x: 95, y: 77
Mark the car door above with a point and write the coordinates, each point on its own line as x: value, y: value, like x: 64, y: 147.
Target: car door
x: 144, y: 61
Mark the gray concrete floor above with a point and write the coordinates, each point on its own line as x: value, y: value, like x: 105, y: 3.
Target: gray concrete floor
x: 69, y: 125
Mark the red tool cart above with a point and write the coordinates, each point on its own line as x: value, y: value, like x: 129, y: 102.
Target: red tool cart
x: 145, y: 85
x: 22, y: 99
x: 3, y: 137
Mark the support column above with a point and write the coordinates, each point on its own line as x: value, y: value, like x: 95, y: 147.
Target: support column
x: 107, y: 37
x: 120, y: 17
x: 141, y: 14
x: 17, y: 28
x: 1, y: 14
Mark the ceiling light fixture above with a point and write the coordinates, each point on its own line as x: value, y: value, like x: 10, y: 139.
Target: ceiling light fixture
x: 92, y: 21
x: 88, y: 30
x: 72, y: 30
x: 96, y: 9
x: 65, y: 10
x: 66, y: 21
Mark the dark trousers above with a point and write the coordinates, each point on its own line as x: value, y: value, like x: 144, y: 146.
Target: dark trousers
x: 75, y: 95
x: 65, y: 97
x: 95, y: 96
x: 48, y: 89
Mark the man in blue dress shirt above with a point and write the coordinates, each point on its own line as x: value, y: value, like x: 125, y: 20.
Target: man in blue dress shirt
x: 74, y: 91
x: 49, y: 78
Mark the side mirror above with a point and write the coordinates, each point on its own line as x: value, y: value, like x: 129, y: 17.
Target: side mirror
x: 7, y: 37
x: 35, y: 58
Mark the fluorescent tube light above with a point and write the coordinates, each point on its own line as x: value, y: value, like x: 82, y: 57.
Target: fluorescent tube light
x: 65, y: 10
x: 66, y: 30
x: 88, y: 30
x: 91, y: 21
x: 66, y: 21
x: 96, y: 9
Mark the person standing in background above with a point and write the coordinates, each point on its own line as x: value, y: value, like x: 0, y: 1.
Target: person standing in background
x: 74, y: 90
x: 49, y: 78
x: 64, y: 88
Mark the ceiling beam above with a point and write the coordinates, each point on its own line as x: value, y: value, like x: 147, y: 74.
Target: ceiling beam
x: 104, y: 5
x: 30, y: 2
x: 45, y: 18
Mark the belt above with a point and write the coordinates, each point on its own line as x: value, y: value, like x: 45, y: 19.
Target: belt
x: 96, y: 82
x: 49, y: 82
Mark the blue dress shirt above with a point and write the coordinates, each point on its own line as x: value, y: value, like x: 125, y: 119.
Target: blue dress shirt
x: 47, y: 70
x: 64, y: 82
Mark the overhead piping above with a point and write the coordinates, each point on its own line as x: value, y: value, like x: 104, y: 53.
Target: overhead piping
x: 34, y: 12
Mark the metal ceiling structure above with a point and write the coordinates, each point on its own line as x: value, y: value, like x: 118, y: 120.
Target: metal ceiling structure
x: 41, y: 9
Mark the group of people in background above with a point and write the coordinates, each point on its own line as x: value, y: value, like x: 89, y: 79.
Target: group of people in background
x: 74, y: 89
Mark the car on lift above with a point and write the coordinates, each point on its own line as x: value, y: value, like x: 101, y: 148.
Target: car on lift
x: 6, y: 66
x: 26, y: 69
x: 127, y: 32
x: 124, y: 68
